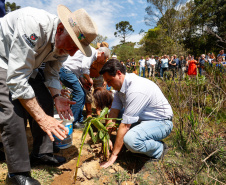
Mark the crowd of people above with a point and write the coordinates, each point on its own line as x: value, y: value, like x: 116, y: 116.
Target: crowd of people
x: 178, y: 67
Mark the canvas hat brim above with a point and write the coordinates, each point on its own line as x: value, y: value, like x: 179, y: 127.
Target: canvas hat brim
x: 64, y: 14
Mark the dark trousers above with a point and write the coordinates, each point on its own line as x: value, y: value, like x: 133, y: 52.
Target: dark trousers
x: 13, y: 118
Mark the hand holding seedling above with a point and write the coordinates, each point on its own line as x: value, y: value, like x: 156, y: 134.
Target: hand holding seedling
x: 63, y: 107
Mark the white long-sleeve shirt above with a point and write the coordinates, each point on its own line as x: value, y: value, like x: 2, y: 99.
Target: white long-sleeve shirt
x: 142, y: 100
x: 27, y: 38
x: 80, y: 64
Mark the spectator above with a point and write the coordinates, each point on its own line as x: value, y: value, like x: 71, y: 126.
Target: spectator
x: 182, y: 67
x: 201, y: 65
x: 192, y: 68
x: 128, y: 65
x: 172, y: 66
x: 141, y: 64
x: 147, y: 62
x: 164, y: 65
x: 152, y: 66
x: 221, y: 53
x: 133, y: 65
x: 158, y: 65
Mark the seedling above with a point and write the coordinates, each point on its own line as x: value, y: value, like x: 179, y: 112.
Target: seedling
x: 102, y: 134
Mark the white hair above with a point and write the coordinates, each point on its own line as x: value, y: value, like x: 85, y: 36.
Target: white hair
x: 106, y: 51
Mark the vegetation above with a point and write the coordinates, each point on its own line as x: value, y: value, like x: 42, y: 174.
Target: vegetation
x: 124, y: 29
x: 9, y: 7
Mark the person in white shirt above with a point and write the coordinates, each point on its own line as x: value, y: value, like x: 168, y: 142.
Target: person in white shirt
x: 147, y: 117
x: 79, y: 69
x: 152, y: 64
x: 141, y: 64
x: 29, y: 37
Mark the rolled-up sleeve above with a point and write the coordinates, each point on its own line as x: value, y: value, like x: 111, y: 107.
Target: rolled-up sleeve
x: 135, y: 104
x: 51, y: 72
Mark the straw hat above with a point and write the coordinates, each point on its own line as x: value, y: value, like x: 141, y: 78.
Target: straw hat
x: 104, y: 44
x: 80, y: 27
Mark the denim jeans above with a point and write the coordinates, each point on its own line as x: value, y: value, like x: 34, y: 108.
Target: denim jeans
x: 69, y: 79
x: 146, y: 137
x: 142, y: 69
x: 162, y: 70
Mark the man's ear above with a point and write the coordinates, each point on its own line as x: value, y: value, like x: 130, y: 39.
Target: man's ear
x: 60, y: 29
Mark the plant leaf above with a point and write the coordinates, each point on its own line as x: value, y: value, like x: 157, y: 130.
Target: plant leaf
x: 103, y: 112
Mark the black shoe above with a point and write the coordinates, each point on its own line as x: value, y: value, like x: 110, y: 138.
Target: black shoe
x: 21, y: 179
x: 78, y: 125
x: 48, y: 159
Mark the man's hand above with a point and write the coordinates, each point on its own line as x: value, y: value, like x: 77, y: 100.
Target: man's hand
x: 51, y: 126
x: 63, y: 107
x: 65, y: 93
x: 109, y: 162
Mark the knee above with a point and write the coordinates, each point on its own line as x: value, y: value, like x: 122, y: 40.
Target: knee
x: 131, y: 142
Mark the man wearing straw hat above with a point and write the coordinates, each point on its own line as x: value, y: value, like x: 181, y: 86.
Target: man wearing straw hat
x: 29, y: 37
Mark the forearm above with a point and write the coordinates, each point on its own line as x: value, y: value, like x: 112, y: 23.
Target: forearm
x: 123, y: 129
x: 33, y: 108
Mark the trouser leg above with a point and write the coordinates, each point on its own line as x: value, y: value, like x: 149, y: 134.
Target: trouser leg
x: 140, y: 71
x: 70, y: 80
x: 12, y: 120
x: 146, y: 137
x: 41, y: 141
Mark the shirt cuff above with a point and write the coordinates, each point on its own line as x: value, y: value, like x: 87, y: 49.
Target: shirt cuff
x: 54, y: 84
x: 129, y: 119
x: 27, y: 93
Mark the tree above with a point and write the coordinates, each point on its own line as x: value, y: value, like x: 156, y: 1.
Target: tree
x: 9, y: 7
x: 98, y: 39
x: 124, y: 29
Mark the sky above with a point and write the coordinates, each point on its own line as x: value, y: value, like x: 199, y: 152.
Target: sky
x: 106, y: 14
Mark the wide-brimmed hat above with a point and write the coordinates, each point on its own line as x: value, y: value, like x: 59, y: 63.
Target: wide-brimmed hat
x: 104, y: 44
x: 80, y: 27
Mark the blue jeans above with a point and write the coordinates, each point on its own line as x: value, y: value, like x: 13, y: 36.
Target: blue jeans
x: 142, y: 69
x: 162, y: 70
x: 200, y: 71
x: 146, y: 137
x: 69, y: 79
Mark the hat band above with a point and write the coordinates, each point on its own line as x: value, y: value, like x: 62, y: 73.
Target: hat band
x: 81, y: 37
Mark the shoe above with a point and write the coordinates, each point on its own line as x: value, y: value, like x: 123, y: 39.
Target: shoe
x: 48, y: 159
x: 78, y: 125
x: 21, y: 179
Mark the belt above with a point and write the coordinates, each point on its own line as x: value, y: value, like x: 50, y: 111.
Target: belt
x: 170, y: 118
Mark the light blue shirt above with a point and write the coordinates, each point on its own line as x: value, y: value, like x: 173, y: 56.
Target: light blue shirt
x: 142, y: 100
x: 164, y: 63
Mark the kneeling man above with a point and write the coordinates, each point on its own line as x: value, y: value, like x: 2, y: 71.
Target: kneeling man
x: 147, y: 117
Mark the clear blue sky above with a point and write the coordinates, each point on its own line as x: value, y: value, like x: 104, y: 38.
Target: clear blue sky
x: 106, y: 13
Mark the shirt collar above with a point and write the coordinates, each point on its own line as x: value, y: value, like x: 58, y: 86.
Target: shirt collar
x: 124, y: 84
x: 55, y: 24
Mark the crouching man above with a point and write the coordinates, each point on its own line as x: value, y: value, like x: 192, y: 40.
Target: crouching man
x: 147, y: 117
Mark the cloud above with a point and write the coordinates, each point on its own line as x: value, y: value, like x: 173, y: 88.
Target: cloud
x: 141, y: 2
x: 130, y: 1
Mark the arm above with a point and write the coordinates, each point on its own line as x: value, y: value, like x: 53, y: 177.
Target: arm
x: 123, y: 129
x: 47, y: 123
